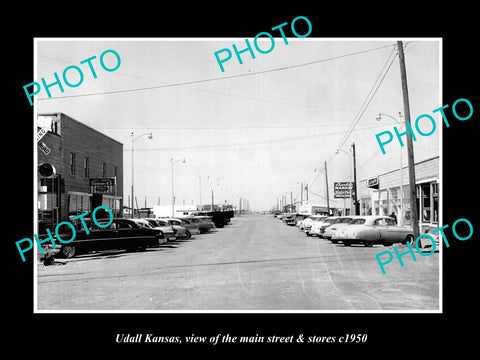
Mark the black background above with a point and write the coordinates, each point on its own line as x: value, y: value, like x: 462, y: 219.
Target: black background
x: 388, y: 334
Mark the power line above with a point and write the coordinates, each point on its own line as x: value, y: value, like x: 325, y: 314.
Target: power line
x: 363, y: 107
x: 220, y: 78
x: 251, y: 142
x: 368, y: 99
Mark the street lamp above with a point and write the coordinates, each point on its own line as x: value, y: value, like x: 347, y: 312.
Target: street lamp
x: 173, y: 195
x: 378, y: 118
x: 150, y: 136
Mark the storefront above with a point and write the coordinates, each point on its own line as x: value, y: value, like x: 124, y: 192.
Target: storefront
x: 88, y: 169
x: 384, y: 194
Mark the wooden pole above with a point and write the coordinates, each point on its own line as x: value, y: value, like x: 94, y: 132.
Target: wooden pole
x: 411, y: 163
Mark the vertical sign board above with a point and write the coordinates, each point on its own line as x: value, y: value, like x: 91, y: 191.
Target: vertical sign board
x: 41, y: 133
x: 342, y: 190
x: 44, y: 148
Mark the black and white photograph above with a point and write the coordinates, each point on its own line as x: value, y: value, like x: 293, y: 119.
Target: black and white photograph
x: 226, y: 180
x: 243, y: 168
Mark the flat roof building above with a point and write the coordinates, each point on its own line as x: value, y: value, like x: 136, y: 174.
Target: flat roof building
x: 382, y: 195
x: 88, y: 169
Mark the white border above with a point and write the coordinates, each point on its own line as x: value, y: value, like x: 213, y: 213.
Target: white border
x: 387, y: 39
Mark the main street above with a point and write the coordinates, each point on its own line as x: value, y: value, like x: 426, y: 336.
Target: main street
x: 255, y: 263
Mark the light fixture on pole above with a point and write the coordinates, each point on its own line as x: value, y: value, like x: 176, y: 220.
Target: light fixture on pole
x: 150, y: 136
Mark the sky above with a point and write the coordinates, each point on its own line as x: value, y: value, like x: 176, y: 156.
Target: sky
x: 257, y: 130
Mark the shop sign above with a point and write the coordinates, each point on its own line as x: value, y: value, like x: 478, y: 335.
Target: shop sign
x: 102, y: 185
x: 44, y: 148
x: 41, y: 133
x: 373, y: 183
x: 342, y: 190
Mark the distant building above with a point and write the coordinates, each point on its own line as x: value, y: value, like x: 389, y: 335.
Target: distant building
x: 88, y: 169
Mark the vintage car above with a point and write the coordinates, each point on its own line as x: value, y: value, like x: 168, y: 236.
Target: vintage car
x: 371, y: 229
x: 162, y: 225
x: 308, y: 221
x: 299, y: 218
x: 185, y: 229
x: 289, y: 219
x: 318, y: 227
x: 191, y: 227
x: 337, y: 223
x: 314, y: 219
x: 120, y: 234
x: 205, y: 223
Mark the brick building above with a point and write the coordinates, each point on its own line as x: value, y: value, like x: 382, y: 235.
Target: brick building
x: 88, y: 169
x: 381, y: 195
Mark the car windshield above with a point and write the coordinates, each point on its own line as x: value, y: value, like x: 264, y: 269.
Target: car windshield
x: 344, y: 220
x: 357, y: 221
x: 162, y: 222
x: 144, y: 224
x: 152, y: 222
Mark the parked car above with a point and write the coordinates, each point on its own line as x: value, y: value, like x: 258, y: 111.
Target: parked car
x: 308, y: 221
x: 337, y: 223
x: 318, y: 227
x: 371, y: 229
x: 191, y: 227
x: 299, y: 218
x: 205, y: 224
x: 307, y: 225
x: 181, y: 228
x: 120, y: 234
x: 289, y: 219
x: 163, y: 226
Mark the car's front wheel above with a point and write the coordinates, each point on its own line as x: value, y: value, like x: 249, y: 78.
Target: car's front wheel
x: 368, y: 243
x: 347, y: 242
x: 188, y: 235
x: 409, y: 240
x: 68, y: 251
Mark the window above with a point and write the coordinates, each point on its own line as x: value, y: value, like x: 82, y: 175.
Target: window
x: 122, y: 225
x: 394, y: 201
x: 104, y: 170
x: 72, y: 164
x: 390, y: 222
x: 86, y: 167
x: 357, y: 221
x: 426, y: 203
x: 78, y: 203
x: 435, y: 202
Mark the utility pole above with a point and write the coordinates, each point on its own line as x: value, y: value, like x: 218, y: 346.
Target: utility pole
x: 240, y: 205
x: 291, y: 202
x: 200, y: 191
x: 356, y: 208
x: 306, y: 192
x: 301, y: 194
x: 411, y: 163
x: 326, y: 184
x: 212, y: 200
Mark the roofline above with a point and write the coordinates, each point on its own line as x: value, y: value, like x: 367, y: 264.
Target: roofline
x: 404, y: 167
x: 78, y: 121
